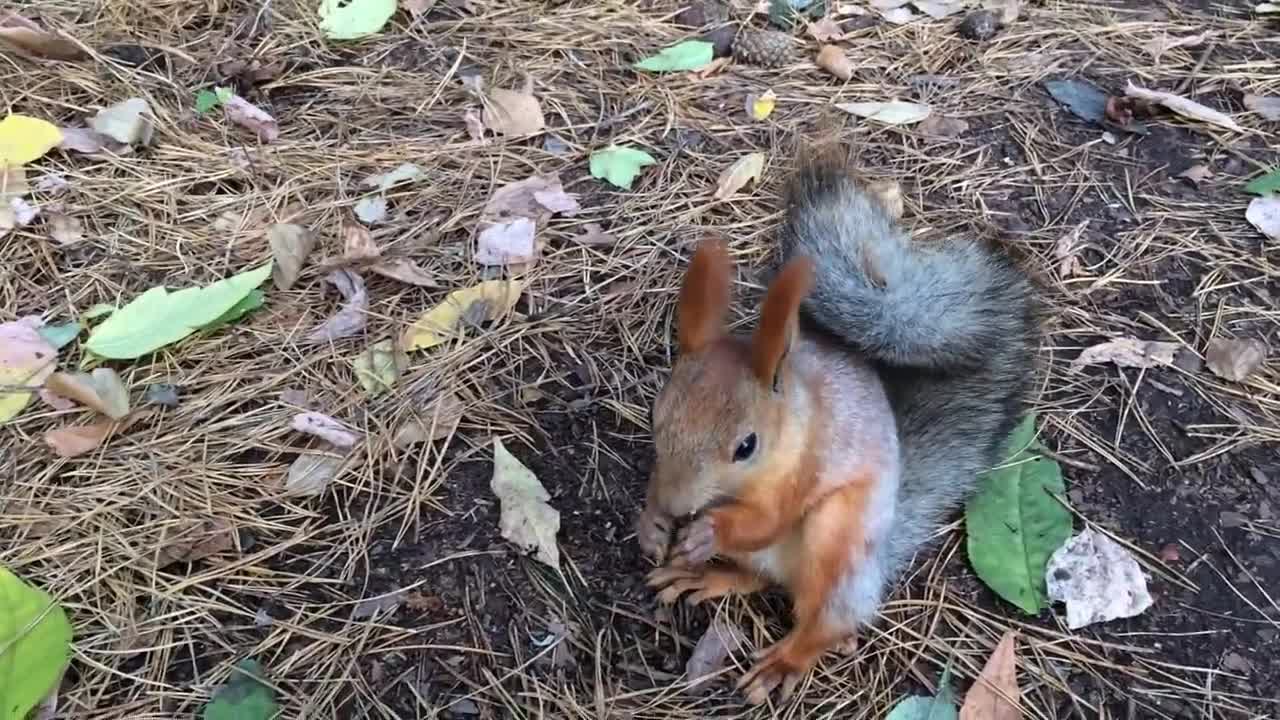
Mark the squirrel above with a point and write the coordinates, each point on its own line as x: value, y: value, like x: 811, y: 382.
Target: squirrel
x: 823, y: 451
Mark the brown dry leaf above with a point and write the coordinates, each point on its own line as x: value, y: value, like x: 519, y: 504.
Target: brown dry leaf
x: 745, y: 169
x: 310, y: 474
x: 290, y: 246
x: 513, y: 112
x: 406, y: 271
x: 358, y: 244
x: 889, y: 194
x: 712, y: 67
x: 943, y: 126
x: 826, y: 30
x: 1065, y: 252
x: 1128, y: 352
x: 1008, y: 10
x: 250, y: 116
x: 35, y: 40
x: 1183, y: 106
x: 1197, y: 173
x: 437, y: 425
x: 194, y: 540
x: 1235, y: 360
x: 86, y: 140
x: 995, y: 696
x: 593, y: 234
x: 418, y: 7
x: 832, y: 59
x: 13, y: 182
x: 26, y: 360
x: 65, y: 229
x: 74, y: 441
x: 1165, y: 43
x: 126, y: 122
x: 1268, y: 106
x: 1264, y: 214
x: 510, y: 219
x: 325, y: 428
x: 714, y: 647
x: 101, y: 390
x: 350, y: 318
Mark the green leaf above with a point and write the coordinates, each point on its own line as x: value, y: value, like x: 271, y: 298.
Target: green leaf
x: 1014, y: 523
x: 355, y: 18
x: 206, y: 100
x: 244, y: 697
x: 59, y: 335
x: 619, y: 165
x: 254, y: 300
x: 98, y: 311
x: 1265, y: 184
x: 923, y: 707
x: 157, y: 318
x: 688, y: 55
x: 223, y: 94
x: 35, y: 645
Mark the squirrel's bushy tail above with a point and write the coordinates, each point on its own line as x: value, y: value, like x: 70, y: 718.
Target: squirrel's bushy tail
x: 952, y: 326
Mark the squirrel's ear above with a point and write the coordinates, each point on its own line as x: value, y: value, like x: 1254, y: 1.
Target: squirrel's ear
x: 704, y: 297
x: 780, y: 318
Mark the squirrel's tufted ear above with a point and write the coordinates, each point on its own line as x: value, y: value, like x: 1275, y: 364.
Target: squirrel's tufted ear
x: 779, y: 319
x: 704, y: 297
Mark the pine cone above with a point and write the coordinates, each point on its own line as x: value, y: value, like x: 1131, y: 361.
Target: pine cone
x: 767, y: 48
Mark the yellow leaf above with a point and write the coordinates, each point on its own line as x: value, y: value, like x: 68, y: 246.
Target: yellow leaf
x: 23, y: 139
x: 760, y: 107
x: 485, y: 301
x: 734, y: 177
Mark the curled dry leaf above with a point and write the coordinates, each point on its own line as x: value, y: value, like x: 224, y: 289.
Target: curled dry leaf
x: 86, y: 140
x: 510, y: 219
x: 32, y: 39
x: 474, y: 124
x: 311, y: 473
x: 406, y: 271
x: 513, y: 112
x: 437, y: 424
x: 251, y: 117
x: 1165, y: 43
x: 1268, y: 106
x: 493, y: 298
x: 832, y: 59
x: 26, y: 360
x: 1065, y: 251
x: 826, y: 30
x: 290, y: 246
x: 593, y: 234
x: 721, y: 639
x: 126, y: 122
x: 1235, y: 360
x: 736, y: 176
x: 74, y: 441
x: 512, y: 242
x: 418, y: 7
x: 1098, y: 580
x: 1264, y: 214
x: 1183, y: 106
x: 1128, y: 352
x: 325, y: 428
x: 995, y: 696
x: 350, y: 318
x: 527, y: 519
x: 1197, y: 173
x: 943, y: 126
x: 192, y: 540
x: 101, y: 390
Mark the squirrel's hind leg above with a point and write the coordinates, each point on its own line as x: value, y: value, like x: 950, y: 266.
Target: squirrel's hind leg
x: 709, y: 582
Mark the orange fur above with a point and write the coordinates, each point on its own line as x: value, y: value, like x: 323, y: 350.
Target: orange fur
x: 704, y: 297
x: 779, y: 318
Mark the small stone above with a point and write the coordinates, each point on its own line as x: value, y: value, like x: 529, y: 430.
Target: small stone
x: 979, y: 25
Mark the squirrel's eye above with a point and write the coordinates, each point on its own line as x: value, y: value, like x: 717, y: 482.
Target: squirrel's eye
x: 745, y: 449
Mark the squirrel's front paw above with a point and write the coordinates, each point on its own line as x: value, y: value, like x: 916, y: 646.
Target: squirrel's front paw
x: 653, y: 530
x: 696, y: 543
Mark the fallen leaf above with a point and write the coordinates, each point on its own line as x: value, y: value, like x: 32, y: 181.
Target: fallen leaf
x: 84, y: 140
x: 439, y: 324
x: 943, y: 126
x: 510, y: 219
x: 507, y: 243
x: 1066, y: 249
x: 36, y: 637
x: 1235, y: 360
x: 898, y: 15
x: 1268, y: 106
x: 619, y: 165
x: 192, y: 540
x: 1097, y: 579
x: 25, y: 139
x: 1197, y: 173
x: 101, y: 391
x: 1008, y: 10
x: 53, y: 183
x: 1264, y: 184
x: 125, y: 122
x: 251, y: 117
x: 17, y: 213
x: 290, y: 246
x: 760, y: 107
x: 923, y: 707
x: 687, y: 55
x: 371, y: 210
x: 1183, y: 106
x: 162, y: 394
x: 59, y: 336
x: 379, y: 605
x: 475, y: 125
x: 1014, y: 522
x: 826, y: 30
x: 77, y: 440
x: 404, y: 172
x: 310, y: 474
x: 527, y: 519
x: 157, y: 318
x: 995, y: 695
x: 406, y: 271
x: 721, y: 639
x: 593, y: 234
x: 35, y: 40
x: 1128, y: 352
x: 832, y: 59
x: 446, y: 413
x: 736, y: 176
x: 1084, y: 99
x: 247, y: 695
x: 938, y: 9
x: 351, y: 317
x: 325, y: 428
x: 355, y: 19
x: 1165, y: 43
x: 895, y: 112
x: 13, y: 182
x: 1264, y: 214
x: 515, y: 113
x: 418, y: 7
x: 26, y: 360
x: 379, y: 367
